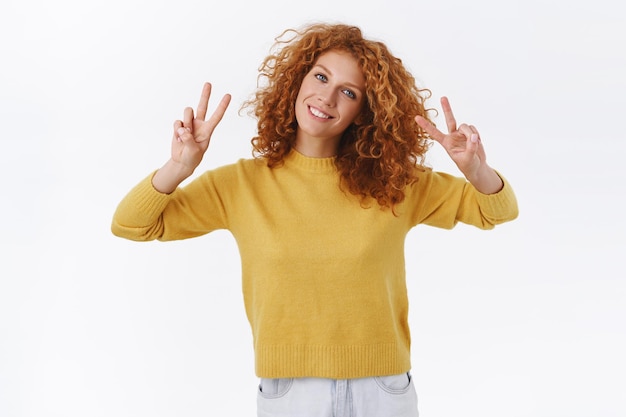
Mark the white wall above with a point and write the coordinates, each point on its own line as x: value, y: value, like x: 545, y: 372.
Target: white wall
x: 525, y: 320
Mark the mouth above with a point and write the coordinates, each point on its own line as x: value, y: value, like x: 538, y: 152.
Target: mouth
x: 318, y: 113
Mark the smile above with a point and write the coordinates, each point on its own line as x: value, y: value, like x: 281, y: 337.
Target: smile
x: 318, y: 113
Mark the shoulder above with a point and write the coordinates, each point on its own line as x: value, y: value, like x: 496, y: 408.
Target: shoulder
x: 427, y: 178
x: 243, y: 164
x: 434, y: 187
x: 236, y: 171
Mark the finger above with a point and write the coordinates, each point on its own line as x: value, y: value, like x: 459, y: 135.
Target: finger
x: 480, y: 150
x: 204, y: 102
x: 466, y: 130
x: 475, y: 131
x: 217, y: 115
x: 447, y: 112
x: 177, y: 124
x: 472, y: 144
x: 188, y: 118
x: 472, y: 138
x: 429, y: 128
x: 183, y: 134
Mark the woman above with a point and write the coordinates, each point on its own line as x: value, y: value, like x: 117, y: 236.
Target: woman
x: 320, y: 215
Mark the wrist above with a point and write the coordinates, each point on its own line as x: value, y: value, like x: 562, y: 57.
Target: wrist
x: 486, y: 180
x: 169, y: 176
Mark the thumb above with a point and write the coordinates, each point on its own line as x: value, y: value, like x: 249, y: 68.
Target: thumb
x: 472, y: 144
x: 183, y: 134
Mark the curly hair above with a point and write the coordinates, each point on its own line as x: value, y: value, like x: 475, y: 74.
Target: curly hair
x: 379, y: 153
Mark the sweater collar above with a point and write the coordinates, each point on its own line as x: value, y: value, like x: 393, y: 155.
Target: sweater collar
x: 320, y: 165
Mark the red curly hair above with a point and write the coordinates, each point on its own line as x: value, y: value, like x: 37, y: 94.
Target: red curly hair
x: 378, y: 154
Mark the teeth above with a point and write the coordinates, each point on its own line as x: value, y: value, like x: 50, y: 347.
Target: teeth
x: 318, y: 113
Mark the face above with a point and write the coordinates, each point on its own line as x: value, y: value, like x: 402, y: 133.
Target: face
x: 330, y: 99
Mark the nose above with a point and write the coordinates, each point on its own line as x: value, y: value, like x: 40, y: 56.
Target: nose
x: 326, y: 98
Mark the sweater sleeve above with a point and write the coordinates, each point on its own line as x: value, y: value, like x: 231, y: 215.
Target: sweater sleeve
x: 443, y: 200
x: 146, y: 214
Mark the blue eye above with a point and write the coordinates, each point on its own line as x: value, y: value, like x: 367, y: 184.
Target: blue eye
x: 349, y: 93
x: 321, y: 77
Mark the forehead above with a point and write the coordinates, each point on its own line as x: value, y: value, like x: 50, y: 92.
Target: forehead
x: 342, y: 65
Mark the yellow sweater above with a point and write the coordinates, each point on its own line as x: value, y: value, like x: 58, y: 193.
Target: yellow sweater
x: 323, y: 277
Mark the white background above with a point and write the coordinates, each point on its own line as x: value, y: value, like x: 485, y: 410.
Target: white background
x: 525, y: 320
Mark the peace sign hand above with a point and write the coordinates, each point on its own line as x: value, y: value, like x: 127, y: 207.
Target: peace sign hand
x: 193, y: 134
x: 465, y: 148
x: 189, y: 143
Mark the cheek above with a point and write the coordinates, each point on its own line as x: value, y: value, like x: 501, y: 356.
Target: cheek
x: 356, y: 112
x: 305, y: 87
x: 300, y: 93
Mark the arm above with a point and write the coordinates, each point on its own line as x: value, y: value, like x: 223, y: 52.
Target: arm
x: 442, y: 200
x: 139, y: 216
x: 465, y: 148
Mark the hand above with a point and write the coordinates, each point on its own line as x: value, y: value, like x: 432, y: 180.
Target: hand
x: 193, y: 134
x: 465, y: 148
x: 191, y: 140
x: 462, y: 144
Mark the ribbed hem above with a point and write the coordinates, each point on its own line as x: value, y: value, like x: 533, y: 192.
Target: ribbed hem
x: 142, y: 205
x: 503, y: 202
x: 148, y: 200
x: 336, y: 362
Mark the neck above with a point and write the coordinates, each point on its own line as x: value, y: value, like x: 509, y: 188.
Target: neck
x: 316, y: 147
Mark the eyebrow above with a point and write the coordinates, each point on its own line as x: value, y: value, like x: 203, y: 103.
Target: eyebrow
x: 349, y: 84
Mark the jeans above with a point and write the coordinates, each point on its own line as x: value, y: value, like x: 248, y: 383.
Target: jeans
x: 383, y: 396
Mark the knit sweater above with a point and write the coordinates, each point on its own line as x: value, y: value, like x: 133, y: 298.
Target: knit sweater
x: 323, y: 273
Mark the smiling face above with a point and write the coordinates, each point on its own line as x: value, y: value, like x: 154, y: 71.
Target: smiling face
x: 331, y: 97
